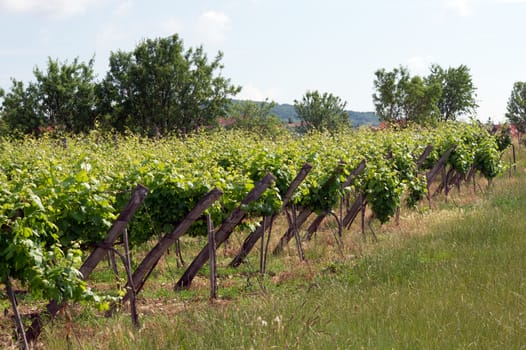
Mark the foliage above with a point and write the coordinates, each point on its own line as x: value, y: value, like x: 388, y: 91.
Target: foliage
x: 444, y: 95
x: 458, y: 272
x: 322, y: 111
x: 30, y: 251
x: 55, y: 199
x: 159, y: 88
x: 63, y: 97
x: 256, y: 117
x: 19, y: 109
x: 389, y: 94
x: 458, y: 92
x: 420, y: 100
x: 516, y: 108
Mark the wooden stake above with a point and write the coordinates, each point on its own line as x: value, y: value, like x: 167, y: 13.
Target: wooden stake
x: 253, y: 237
x: 295, y: 228
x: 300, y: 220
x: 212, y: 253
x: 19, y: 324
x: 130, y: 285
x: 262, y: 247
x: 137, y: 198
x: 147, y: 265
x: 305, y: 213
x: 224, y: 231
x: 125, y: 216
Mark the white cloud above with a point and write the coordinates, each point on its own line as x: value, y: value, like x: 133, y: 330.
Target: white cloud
x: 212, y: 26
x: 419, y: 65
x: 253, y: 93
x: 53, y: 8
x: 511, y: 1
x: 459, y: 7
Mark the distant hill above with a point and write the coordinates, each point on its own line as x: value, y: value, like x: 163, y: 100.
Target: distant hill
x: 287, y: 113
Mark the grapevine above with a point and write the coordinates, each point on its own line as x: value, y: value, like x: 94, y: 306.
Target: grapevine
x: 56, y: 201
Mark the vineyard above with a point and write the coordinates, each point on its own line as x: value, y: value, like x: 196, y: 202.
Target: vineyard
x: 65, y: 201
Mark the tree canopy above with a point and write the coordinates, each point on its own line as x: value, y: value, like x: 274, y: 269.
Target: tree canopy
x: 322, y: 111
x: 443, y: 95
x: 458, y: 92
x: 161, y: 87
x: 255, y: 116
x: 63, y: 96
x: 516, y: 108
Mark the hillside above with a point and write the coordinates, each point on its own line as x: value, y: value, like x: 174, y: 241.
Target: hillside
x: 287, y: 113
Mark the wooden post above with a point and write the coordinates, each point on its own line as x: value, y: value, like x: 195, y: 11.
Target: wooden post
x: 130, y: 286
x: 137, y: 198
x: 357, y: 171
x: 431, y: 174
x: 212, y: 253
x: 316, y: 223
x: 300, y: 220
x: 19, y: 324
x: 420, y: 161
x: 149, y: 262
x: 293, y: 223
x: 125, y: 216
x: 363, y: 207
x: 262, y: 263
x: 254, y: 236
x: 352, y: 213
x: 224, y: 231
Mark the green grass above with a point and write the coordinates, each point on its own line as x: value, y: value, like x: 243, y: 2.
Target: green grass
x: 459, y: 282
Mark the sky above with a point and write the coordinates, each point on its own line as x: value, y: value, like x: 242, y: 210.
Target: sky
x: 279, y: 49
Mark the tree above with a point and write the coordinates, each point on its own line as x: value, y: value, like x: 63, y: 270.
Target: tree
x: 458, y: 92
x: 3, y: 126
x: 419, y: 103
x: 160, y: 87
x: 20, y: 109
x: 516, y: 108
x: 322, y: 111
x: 390, y: 93
x: 402, y: 98
x: 67, y: 95
x: 443, y: 95
x: 256, y: 116
x: 63, y: 96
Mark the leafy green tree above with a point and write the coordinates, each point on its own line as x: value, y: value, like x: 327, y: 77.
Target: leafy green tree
x: 257, y: 117
x: 3, y: 126
x: 160, y: 87
x: 63, y: 96
x: 20, y: 111
x: 402, y: 98
x: 390, y: 94
x: 516, y: 108
x: 67, y: 94
x: 322, y: 111
x: 419, y: 102
x: 458, y: 92
x: 444, y: 95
